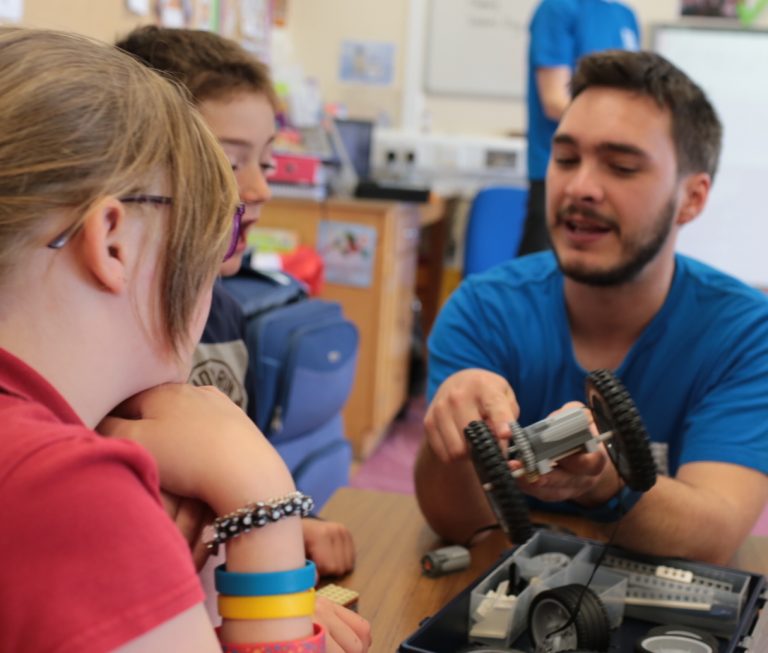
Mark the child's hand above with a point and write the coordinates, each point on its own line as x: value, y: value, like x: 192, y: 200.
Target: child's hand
x: 330, y: 545
x: 191, y: 516
x: 205, y: 446
x: 346, y: 632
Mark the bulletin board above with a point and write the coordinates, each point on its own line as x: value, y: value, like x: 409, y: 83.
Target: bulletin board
x: 104, y: 20
x: 244, y: 20
x: 478, y: 47
x: 728, y: 63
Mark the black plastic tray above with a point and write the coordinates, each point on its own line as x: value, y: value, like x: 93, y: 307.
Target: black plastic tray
x: 447, y: 631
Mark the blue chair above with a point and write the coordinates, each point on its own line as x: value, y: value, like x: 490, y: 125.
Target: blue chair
x: 494, y: 227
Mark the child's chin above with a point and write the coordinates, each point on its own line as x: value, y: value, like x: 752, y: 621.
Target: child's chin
x: 231, y: 266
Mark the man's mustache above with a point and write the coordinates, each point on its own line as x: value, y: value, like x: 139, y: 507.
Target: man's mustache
x: 586, y: 212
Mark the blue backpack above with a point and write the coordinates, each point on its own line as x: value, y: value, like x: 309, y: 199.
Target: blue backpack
x: 303, y: 355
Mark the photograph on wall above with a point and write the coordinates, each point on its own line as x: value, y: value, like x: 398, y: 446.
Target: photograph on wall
x: 348, y: 252
x: 712, y: 8
x: 367, y: 62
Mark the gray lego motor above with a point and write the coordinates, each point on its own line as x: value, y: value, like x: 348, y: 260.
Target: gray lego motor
x: 539, y: 446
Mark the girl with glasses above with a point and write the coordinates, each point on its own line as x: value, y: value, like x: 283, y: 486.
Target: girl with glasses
x: 103, y: 297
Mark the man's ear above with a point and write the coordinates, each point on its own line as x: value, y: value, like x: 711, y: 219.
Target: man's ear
x: 104, y: 244
x: 695, y: 191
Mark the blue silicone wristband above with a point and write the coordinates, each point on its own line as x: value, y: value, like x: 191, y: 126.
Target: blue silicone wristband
x: 266, y: 584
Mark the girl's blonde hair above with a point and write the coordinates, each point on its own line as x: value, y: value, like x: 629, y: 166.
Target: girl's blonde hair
x: 80, y: 121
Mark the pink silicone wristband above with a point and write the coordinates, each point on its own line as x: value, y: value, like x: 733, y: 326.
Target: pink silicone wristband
x: 315, y: 643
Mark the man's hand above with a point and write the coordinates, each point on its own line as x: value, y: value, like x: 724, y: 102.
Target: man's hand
x: 330, y: 545
x: 346, y: 632
x: 190, y: 517
x: 463, y: 397
x: 587, y: 478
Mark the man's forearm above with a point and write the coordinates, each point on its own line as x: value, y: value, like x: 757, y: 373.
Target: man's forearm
x: 552, y: 85
x: 676, y: 519
x: 450, y: 497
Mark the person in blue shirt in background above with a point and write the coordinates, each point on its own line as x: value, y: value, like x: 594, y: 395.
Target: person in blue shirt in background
x: 633, y: 161
x: 561, y: 32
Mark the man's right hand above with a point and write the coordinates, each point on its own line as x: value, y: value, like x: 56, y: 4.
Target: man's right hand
x: 465, y: 396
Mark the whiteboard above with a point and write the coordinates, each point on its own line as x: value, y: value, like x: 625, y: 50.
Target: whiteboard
x: 478, y: 47
x: 729, y: 64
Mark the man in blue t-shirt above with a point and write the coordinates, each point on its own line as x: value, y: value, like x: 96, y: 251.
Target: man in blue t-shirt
x: 633, y: 161
x: 561, y: 32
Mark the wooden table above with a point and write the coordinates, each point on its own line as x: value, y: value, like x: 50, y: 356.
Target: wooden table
x: 391, y: 537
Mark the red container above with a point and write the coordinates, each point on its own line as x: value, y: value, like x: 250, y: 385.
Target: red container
x: 296, y: 169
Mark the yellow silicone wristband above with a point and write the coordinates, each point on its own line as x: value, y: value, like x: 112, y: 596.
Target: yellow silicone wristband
x: 281, y: 606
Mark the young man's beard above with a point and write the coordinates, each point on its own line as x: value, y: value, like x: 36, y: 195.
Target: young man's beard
x: 638, y: 254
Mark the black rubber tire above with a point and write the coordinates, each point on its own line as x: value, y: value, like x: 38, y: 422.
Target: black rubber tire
x: 506, y: 499
x: 663, y: 638
x: 629, y: 448
x: 591, y: 623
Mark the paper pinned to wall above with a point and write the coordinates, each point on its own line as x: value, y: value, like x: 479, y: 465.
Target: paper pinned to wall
x: 349, y: 251
x: 138, y: 7
x: 11, y: 10
x: 174, y: 13
x: 206, y: 15
x: 367, y: 62
x: 255, y: 20
x: 478, y: 47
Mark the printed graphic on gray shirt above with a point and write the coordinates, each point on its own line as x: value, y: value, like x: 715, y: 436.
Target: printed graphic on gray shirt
x: 223, y: 365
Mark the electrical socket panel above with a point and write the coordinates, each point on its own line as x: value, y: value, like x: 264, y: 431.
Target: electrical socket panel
x: 401, y: 153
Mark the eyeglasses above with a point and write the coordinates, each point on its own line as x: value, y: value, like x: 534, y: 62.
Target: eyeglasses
x: 237, y: 220
x: 63, y: 238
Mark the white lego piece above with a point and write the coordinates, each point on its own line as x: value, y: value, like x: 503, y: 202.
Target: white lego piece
x: 672, y: 573
x: 495, y: 622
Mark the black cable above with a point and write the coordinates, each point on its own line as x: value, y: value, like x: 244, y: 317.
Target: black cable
x: 600, y: 558
x: 470, y: 540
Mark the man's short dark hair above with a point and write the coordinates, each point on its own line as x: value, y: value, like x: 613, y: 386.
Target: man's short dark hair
x: 208, y: 65
x: 696, y: 130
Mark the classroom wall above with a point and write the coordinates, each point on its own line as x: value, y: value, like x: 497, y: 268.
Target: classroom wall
x: 317, y: 28
x: 103, y: 19
x: 106, y: 20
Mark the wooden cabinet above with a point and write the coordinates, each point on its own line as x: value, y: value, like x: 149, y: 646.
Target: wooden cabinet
x: 382, y: 310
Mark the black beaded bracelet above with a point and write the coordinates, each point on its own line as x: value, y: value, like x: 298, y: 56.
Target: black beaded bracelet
x: 257, y: 515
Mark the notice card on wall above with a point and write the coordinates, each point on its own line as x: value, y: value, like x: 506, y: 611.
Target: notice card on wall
x: 138, y: 7
x: 174, y: 13
x: 367, y: 62
x: 11, y: 10
x: 348, y: 251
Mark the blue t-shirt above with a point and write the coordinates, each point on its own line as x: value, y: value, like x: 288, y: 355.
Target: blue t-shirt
x: 698, y: 373
x: 562, y: 31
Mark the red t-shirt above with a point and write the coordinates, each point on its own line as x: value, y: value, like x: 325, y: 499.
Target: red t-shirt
x: 88, y: 558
